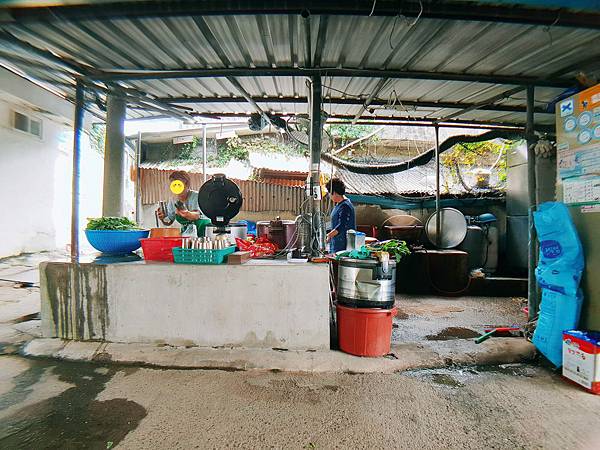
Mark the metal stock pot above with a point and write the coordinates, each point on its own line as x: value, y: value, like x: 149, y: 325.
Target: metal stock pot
x: 366, y: 283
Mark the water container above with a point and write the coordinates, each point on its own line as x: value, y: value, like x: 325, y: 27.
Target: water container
x: 474, y: 245
x: 365, y: 331
x: 490, y: 264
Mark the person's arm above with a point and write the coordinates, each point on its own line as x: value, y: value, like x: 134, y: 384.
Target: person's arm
x: 192, y: 216
x: 333, y: 233
x: 170, y: 217
x: 190, y: 210
x: 340, y: 223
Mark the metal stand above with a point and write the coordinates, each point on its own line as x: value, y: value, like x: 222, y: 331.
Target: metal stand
x: 438, y: 216
x: 73, y: 331
x: 204, y: 153
x: 532, y: 297
x: 138, y: 190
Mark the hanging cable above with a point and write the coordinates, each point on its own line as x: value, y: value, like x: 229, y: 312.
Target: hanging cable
x: 418, y: 16
x: 373, y: 9
x: 548, y: 30
x: 392, y: 47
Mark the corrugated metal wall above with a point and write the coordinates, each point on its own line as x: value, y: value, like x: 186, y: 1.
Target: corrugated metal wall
x: 257, y: 196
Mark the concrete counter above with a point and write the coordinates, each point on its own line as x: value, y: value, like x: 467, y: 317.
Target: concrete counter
x: 261, y: 304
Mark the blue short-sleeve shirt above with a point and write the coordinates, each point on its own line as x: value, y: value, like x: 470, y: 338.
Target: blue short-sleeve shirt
x: 342, y: 220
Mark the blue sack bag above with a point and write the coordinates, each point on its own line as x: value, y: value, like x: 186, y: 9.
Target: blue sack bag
x: 558, y: 278
x: 561, y: 253
x: 559, y: 241
x: 558, y: 313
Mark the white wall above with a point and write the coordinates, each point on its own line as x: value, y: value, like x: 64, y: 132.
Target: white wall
x: 35, y: 174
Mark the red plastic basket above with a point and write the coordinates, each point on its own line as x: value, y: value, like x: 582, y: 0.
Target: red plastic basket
x: 160, y: 249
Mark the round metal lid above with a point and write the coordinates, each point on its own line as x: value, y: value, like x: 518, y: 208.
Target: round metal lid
x: 453, y: 228
x: 220, y: 199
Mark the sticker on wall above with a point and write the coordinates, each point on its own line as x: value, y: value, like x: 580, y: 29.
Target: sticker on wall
x: 177, y: 187
x: 582, y: 190
x: 567, y: 108
x: 584, y: 137
x: 586, y: 209
x: 585, y: 119
x: 570, y: 124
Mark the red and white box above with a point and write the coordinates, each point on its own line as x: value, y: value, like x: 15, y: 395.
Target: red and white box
x: 581, y: 358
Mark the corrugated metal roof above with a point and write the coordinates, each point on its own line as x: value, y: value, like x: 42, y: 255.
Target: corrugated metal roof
x: 281, y: 177
x: 278, y: 41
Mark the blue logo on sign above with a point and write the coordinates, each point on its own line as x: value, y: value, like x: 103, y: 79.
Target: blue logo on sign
x: 551, y: 249
x: 567, y: 108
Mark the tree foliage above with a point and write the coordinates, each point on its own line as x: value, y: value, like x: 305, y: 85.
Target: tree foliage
x: 98, y: 137
x: 346, y: 133
x: 477, y: 155
x: 186, y: 151
x: 239, y: 149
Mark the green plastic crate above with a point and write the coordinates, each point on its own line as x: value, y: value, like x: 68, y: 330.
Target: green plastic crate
x: 199, y: 256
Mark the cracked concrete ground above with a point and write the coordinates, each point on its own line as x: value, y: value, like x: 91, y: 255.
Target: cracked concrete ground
x: 49, y: 403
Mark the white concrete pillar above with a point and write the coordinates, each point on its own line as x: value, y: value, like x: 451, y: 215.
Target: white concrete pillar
x: 114, y: 156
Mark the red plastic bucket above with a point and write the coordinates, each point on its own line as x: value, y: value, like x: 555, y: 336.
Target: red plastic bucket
x: 364, y: 331
x: 160, y: 249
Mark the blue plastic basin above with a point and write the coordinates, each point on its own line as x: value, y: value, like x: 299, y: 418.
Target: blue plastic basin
x: 116, y: 242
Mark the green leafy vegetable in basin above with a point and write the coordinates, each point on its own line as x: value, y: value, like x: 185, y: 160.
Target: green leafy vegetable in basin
x: 394, y: 247
x: 112, y: 223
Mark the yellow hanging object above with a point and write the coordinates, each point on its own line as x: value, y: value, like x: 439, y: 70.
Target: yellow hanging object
x: 177, y: 187
x: 323, y: 179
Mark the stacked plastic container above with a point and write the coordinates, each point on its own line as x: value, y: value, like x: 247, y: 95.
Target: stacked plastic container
x: 558, y: 274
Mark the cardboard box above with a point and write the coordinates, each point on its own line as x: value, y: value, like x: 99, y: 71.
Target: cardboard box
x: 238, y: 257
x: 581, y: 358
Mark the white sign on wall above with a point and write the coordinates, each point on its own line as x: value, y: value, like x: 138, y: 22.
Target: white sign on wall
x: 183, y: 139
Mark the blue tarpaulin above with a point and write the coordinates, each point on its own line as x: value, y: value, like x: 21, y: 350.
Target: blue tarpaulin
x: 582, y: 5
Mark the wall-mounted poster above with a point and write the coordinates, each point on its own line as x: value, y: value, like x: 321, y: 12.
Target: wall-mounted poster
x: 578, y: 134
x: 582, y: 190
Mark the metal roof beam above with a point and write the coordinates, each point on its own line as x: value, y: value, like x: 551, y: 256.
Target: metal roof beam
x: 64, y: 63
x: 350, y: 101
x: 417, y: 121
x: 87, y: 74
x: 481, y: 104
x: 380, y: 85
x: 114, y: 75
x: 409, y: 8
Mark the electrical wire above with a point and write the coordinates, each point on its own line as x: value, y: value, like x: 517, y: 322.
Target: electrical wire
x: 418, y: 16
x: 392, y: 47
x: 341, y: 92
x: 373, y: 9
x: 548, y: 29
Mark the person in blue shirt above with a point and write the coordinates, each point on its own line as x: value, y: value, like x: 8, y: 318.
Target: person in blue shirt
x: 343, y: 217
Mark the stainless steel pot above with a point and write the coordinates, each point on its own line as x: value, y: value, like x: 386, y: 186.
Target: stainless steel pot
x: 234, y: 230
x: 366, y: 283
x: 281, y: 232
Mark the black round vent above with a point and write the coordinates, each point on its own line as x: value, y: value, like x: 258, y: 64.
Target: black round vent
x: 220, y: 199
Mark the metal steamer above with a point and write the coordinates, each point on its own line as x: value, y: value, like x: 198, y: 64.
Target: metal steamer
x: 232, y: 231
x: 366, y: 283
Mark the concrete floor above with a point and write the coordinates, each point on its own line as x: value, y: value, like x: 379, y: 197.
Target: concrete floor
x: 49, y: 404
x: 24, y: 268
x: 429, y: 332
x: 421, y: 318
